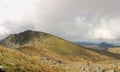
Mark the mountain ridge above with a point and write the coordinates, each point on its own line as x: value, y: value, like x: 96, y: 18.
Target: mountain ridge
x: 46, y: 42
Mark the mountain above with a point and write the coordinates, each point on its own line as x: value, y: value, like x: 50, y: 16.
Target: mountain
x: 100, y: 46
x: 44, y: 44
x: 89, y: 45
x: 105, y: 45
x: 54, y: 51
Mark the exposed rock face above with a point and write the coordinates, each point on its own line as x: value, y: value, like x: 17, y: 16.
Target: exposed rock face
x: 16, y: 40
x: 87, y: 67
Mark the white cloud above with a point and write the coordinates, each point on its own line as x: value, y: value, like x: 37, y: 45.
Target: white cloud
x: 103, y: 34
x: 3, y: 31
x: 71, y: 19
x: 16, y: 10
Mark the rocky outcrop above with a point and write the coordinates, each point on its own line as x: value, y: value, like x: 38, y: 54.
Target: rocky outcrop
x: 50, y: 61
x: 20, y: 39
x: 87, y: 67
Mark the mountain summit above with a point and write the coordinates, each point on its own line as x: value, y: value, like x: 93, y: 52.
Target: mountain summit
x: 26, y: 37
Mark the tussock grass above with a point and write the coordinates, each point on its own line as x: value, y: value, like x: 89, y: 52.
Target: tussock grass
x: 15, y: 61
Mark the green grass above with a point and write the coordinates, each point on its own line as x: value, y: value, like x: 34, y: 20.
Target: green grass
x: 15, y: 61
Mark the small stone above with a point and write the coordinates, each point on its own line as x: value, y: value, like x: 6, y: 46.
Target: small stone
x: 2, y: 69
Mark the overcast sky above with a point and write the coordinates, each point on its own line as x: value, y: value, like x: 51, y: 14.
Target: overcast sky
x: 70, y: 19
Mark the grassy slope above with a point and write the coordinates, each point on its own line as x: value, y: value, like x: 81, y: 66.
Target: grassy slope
x: 15, y: 61
x: 114, y: 50
x: 39, y: 43
x: 56, y: 47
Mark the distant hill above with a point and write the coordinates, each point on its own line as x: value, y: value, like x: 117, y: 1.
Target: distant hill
x: 105, y: 45
x: 100, y: 46
x: 88, y: 45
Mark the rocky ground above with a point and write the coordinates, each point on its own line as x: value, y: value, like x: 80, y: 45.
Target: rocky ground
x: 86, y: 67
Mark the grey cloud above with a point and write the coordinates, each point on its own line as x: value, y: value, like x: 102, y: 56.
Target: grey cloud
x: 59, y: 17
